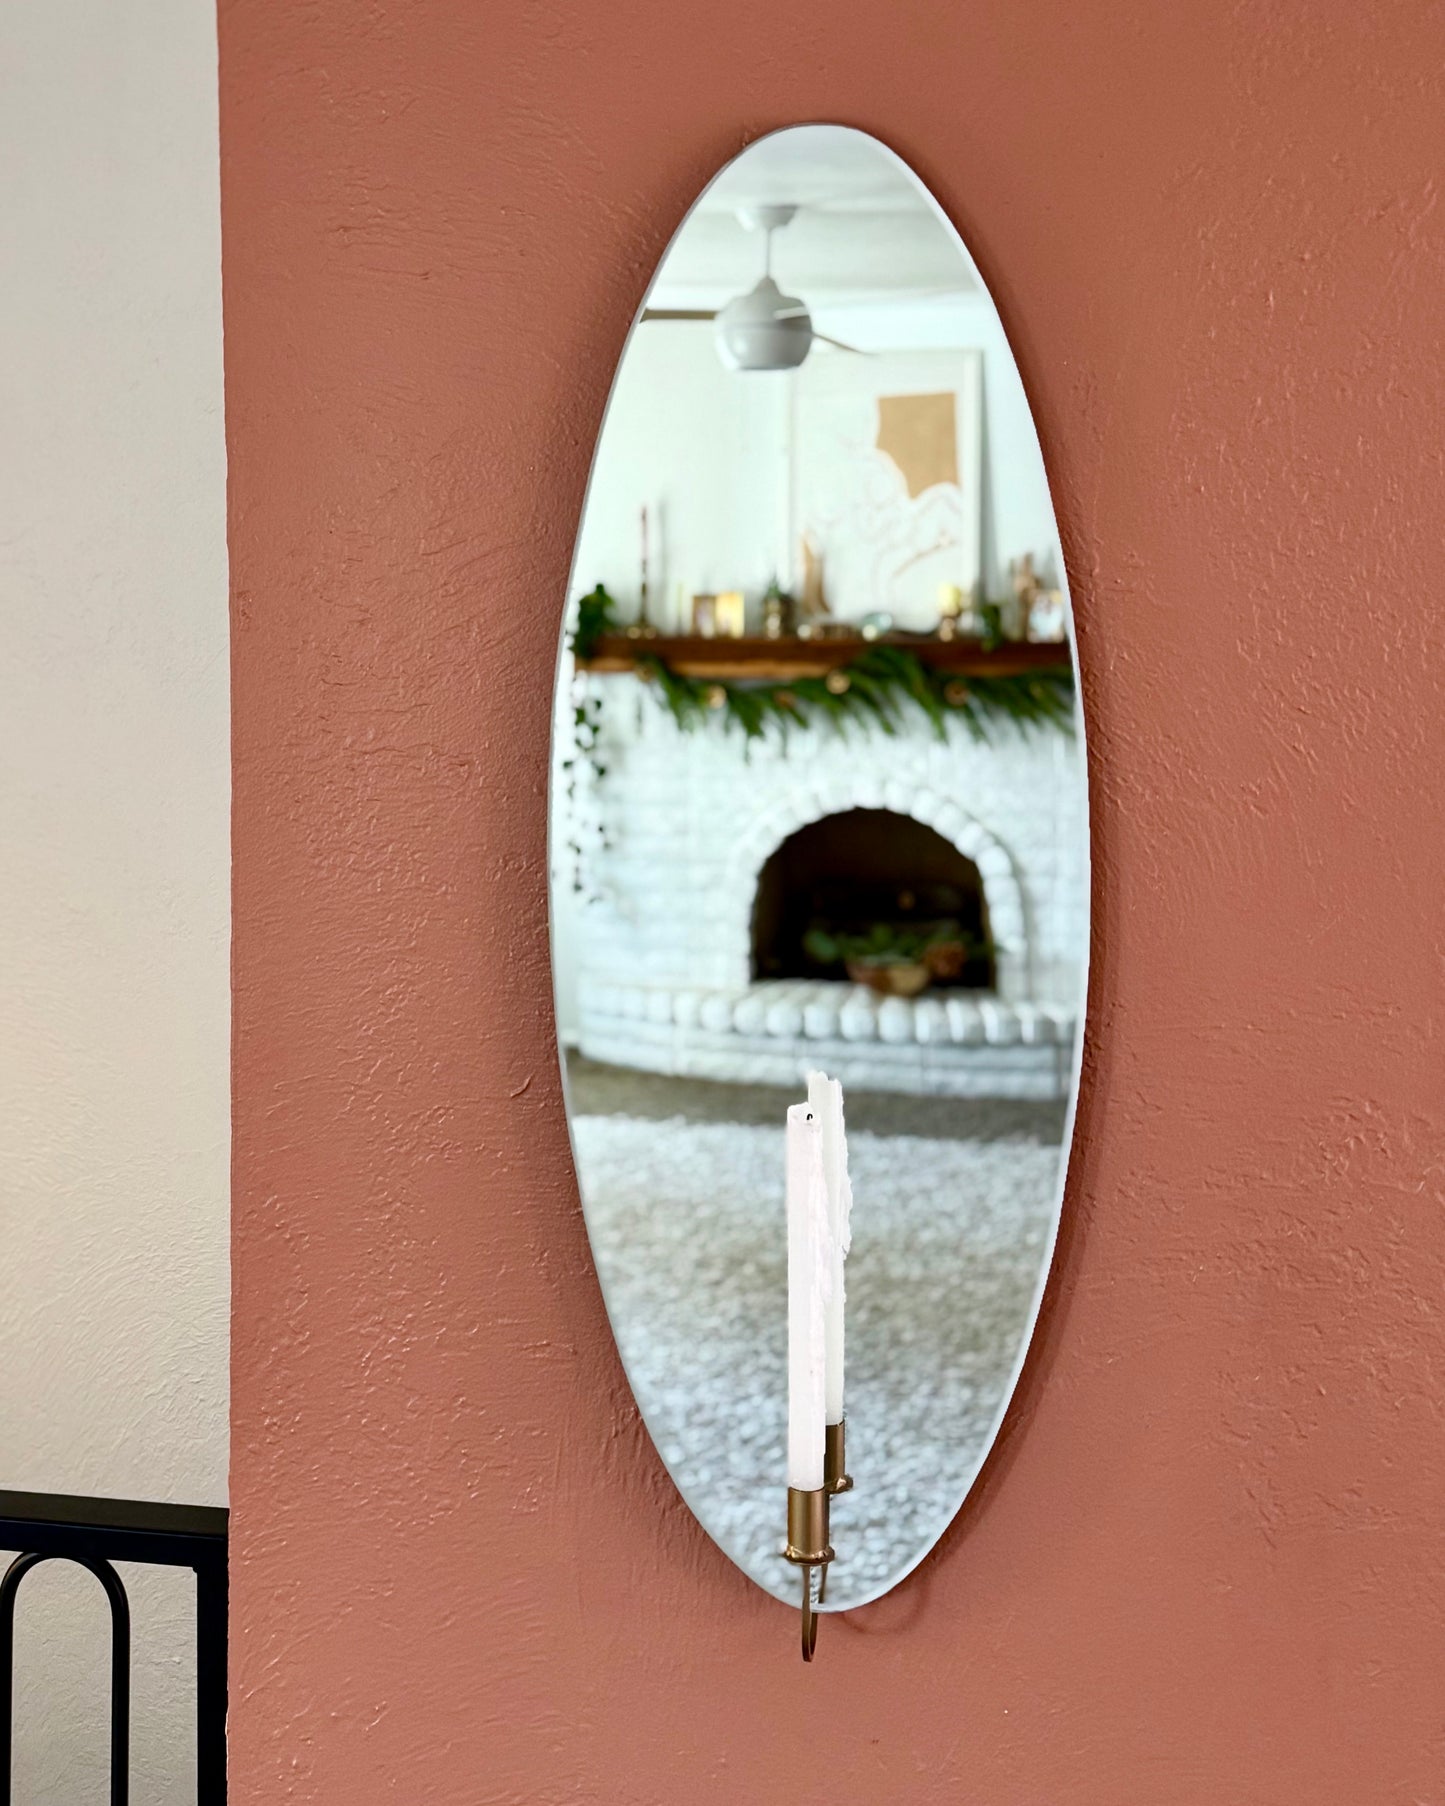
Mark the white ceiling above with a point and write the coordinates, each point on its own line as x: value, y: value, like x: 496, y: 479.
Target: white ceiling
x: 828, y: 166
x: 866, y: 229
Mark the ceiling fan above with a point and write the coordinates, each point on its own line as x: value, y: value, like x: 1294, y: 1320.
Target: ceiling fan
x: 763, y: 329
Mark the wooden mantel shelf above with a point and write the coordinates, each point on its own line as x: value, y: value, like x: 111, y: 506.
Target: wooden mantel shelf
x: 690, y: 655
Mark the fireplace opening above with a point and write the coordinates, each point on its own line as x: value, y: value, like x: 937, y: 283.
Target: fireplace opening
x: 875, y: 897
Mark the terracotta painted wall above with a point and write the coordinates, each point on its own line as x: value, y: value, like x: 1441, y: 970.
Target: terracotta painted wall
x: 1207, y: 1566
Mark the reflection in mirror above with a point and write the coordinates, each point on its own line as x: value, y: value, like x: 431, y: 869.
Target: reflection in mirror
x: 818, y: 806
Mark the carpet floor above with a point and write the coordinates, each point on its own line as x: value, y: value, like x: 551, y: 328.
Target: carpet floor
x: 596, y: 1089
x: 949, y: 1236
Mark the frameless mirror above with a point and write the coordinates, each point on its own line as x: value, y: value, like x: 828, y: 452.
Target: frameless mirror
x: 818, y: 804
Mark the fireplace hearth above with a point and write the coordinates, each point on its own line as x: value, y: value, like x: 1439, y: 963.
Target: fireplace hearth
x: 871, y: 884
x: 715, y: 861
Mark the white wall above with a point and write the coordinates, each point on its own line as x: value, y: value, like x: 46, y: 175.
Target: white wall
x: 114, y: 780
x: 705, y: 450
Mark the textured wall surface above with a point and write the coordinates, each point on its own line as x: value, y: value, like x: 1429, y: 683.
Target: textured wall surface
x: 114, y: 862
x: 1205, y: 1567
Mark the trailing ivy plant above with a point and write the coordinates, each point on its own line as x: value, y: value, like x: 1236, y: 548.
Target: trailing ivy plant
x: 596, y: 614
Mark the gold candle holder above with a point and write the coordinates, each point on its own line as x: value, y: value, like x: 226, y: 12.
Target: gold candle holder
x: 836, y: 1477
x: 807, y: 1549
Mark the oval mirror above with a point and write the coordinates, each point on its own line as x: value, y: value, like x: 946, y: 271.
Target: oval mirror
x: 818, y: 807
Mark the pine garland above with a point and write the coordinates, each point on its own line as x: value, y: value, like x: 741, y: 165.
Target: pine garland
x: 877, y: 688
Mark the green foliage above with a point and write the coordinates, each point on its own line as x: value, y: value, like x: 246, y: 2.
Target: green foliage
x: 886, y: 943
x: 596, y: 615
x: 883, y: 682
x: 876, y: 689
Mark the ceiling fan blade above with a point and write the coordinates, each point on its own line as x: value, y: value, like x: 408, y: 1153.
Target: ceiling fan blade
x: 838, y: 345
x: 679, y: 313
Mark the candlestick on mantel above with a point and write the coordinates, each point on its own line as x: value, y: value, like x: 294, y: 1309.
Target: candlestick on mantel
x: 810, y: 1281
x: 825, y: 1100
x: 642, y: 628
x: 642, y: 606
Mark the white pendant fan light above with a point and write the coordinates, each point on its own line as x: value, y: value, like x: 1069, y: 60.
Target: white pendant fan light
x: 763, y: 329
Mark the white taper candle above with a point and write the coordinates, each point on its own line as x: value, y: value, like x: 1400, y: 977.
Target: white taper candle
x: 825, y: 1100
x: 810, y: 1277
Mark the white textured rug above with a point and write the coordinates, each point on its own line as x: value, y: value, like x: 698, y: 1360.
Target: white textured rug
x: 687, y: 1224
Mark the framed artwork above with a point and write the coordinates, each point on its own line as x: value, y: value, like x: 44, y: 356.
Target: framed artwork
x: 887, y: 484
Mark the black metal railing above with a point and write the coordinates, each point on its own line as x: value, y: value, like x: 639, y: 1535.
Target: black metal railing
x: 93, y: 1534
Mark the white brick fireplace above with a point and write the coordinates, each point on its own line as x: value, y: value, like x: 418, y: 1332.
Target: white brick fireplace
x: 663, y: 950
